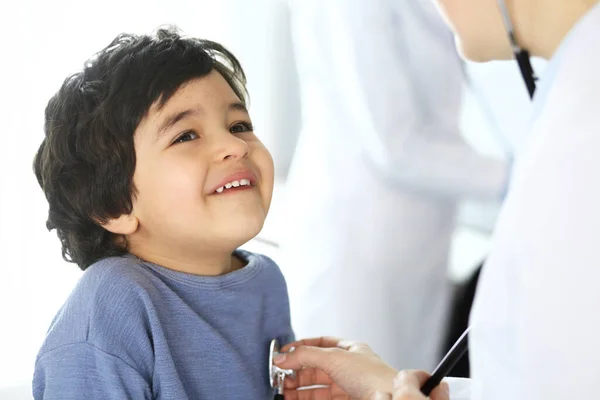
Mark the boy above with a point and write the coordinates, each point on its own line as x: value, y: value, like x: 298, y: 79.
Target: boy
x: 154, y: 178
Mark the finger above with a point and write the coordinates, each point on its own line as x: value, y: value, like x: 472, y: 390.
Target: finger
x: 309, y: 394
x: 323, y: 341
x: 441, y: 392
x: 308, y: 377
x: 355, y: 346
x: 312, y: 357
x: 316, y: 394
x: 380, y: 396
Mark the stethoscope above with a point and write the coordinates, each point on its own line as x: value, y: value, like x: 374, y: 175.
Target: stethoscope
x: 521, y: 55
x: 277, y: 375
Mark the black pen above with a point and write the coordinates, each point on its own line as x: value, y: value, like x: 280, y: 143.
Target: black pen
x: 447, y: 363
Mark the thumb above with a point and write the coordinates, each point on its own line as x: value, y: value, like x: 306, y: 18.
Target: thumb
x: 407, y: 384
x: 410, y: 378
x: 308, y: 356
x: 442, y: 392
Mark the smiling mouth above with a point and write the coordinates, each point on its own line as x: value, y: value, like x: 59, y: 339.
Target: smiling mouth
x: 242, y: 184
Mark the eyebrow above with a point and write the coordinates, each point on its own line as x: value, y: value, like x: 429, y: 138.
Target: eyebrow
x: 173, y: 119
x: 238, y: 106
x: 181, y: 115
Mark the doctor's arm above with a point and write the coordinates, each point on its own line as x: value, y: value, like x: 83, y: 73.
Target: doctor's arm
x: 558, y: 328
x: 374, y: 79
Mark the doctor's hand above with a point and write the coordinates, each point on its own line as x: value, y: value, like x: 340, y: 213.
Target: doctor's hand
x: 347, y: 369
x: 407, y: 386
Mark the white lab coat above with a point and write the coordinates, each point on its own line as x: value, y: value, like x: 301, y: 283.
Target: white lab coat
x: 379, y: 167
x: 536, y: 318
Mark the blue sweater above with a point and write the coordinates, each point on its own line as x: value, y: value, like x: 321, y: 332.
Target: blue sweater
x: 135, y: 330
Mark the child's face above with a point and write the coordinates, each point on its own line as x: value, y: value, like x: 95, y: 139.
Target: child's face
x: 186, y: 152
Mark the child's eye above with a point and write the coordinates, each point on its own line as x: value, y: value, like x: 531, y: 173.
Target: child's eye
x: 186, y: 137
x: 241, y: 127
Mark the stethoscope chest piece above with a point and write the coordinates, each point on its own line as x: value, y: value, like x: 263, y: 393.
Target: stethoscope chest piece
x: 277, y: 375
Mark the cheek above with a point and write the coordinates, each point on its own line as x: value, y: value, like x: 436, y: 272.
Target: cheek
x: 168, y: 186
x: 264, y: 162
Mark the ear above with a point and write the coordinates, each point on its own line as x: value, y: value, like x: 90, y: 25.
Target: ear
x: 126, y: 224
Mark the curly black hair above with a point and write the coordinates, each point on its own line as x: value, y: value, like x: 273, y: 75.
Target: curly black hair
x: 86, y: 161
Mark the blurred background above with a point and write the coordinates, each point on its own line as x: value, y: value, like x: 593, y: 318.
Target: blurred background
x: 45, y: 41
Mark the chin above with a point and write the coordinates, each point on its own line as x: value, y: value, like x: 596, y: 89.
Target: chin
x: 470, y: 52
x: 244, y: 230
x: 480, y: 52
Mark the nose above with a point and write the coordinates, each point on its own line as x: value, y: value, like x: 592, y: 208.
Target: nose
x: 228, y: 146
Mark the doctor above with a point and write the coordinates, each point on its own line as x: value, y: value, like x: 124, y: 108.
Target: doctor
x: 535, y: 321
x: 379, y: 168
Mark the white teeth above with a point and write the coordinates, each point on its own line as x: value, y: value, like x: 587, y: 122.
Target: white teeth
x: 241, y: 182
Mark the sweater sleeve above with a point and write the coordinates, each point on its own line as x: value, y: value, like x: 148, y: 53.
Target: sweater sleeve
x: 83, y: 371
